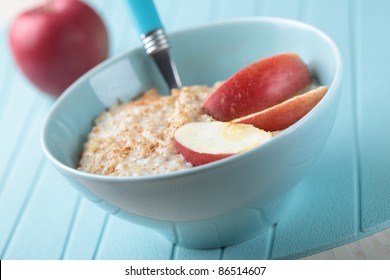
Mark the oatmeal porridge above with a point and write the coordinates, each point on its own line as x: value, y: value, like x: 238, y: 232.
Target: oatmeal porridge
x: 136, y: 138
x: 156, y: 134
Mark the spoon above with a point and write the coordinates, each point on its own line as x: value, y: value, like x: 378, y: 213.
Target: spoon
x: 154, y: 39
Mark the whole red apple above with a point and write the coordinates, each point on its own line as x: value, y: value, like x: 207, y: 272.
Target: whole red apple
x: 54, y: 44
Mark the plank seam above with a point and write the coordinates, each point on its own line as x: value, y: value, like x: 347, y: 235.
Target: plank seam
x: 21, y: 139
x: 116, y: 43
x: 25, y: 204
x: 101, y: 236
x: 354, y: 89
x: 303, y: 10
x: 271, y: 241
x: 6, y: 80
x: 221, y: 253
x: 216, y: 10
x: 71, y: 227
x: 176, y: 7
x: 173, y: 252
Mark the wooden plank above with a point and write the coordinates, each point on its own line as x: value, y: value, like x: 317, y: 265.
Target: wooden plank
x: 180, y: 253
x: 117, y: 21
x: 124, y: 240
x: 121, y: 30
x: 85, y: 232
x: 17, y: 189
x: 256, y: 248
x: 285, y: 9
x: 43, y: 227
x: 373, y: 119
x: 5, y: 75
x: 226, y: 9
x: 19, y: 105
x: 182, y: 16
x: 326, y: 207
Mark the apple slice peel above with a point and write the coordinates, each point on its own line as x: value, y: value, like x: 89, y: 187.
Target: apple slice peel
x: 285, y: 114
x: 205, y: 142
x: 258, y: 86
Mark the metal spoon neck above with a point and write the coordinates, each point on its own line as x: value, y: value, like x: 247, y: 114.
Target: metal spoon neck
x: 155, y: 41
x: 156, y: 45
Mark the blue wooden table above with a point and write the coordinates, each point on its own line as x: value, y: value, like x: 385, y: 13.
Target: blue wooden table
x: 345, y: 197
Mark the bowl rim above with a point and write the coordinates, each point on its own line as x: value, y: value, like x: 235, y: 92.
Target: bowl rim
x: 213, y: 165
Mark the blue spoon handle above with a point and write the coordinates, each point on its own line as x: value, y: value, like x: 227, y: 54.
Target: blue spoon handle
x: 154, y: 39
x: 144, y: 13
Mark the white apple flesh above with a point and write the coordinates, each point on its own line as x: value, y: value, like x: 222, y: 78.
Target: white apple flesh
x: 205, y: 142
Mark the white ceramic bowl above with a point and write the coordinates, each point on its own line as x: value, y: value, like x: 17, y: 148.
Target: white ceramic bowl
x: 224, y: 202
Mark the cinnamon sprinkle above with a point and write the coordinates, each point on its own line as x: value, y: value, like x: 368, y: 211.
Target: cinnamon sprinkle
x: 136, y: 138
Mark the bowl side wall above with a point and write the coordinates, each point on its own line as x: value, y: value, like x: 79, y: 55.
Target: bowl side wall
x: 203, y: 56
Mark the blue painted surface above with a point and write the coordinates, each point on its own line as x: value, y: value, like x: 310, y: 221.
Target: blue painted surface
x: 344, y: 197
x: 144, y: 15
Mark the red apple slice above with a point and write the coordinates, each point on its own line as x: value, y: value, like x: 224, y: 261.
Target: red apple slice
x: 258, y: 86
x: 204, y: 142
x: 286, y: 113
